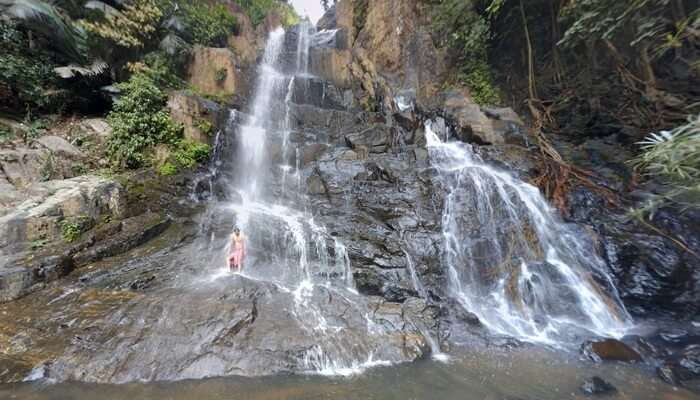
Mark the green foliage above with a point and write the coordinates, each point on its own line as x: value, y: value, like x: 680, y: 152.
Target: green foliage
x: 6, y: 133
x: 26, y: 74
x: 204, y: 125
x: 220, y: 74
x: 78, y: 169
x: 130, y: 27
x: 72, y: 229
x: 288, y: 14
x: 462, y: 28
x: 35, y: 128
x: 257, y: 10
x: 207, y: 24
x: 38, y: 244
x: 479, y: 79
x: 672, y: 158
x: 162, y: 69
x: 467, y: 34
x: 139, y: 121
x: 594, y: 20
x: 187, y: 153
x: 47, y: 19
x: 167, y: 169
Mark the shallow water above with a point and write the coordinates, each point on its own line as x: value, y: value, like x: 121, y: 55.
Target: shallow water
x: 526, y: 373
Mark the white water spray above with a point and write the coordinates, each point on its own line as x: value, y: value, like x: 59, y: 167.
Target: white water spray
x: 510, y: 259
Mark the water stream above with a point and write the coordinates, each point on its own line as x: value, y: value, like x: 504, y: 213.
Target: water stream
x: 511, y: 261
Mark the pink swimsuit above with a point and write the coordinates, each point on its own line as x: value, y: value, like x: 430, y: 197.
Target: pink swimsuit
x: 235, y: 257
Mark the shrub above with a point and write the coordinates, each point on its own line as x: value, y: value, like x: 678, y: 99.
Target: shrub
x: 204, y: 125
x: 139, y: 121
x: 161, y: 68
x: 207, y: 24
x: 26, y: 74
x: 188, y: 153
x: 167, y: 169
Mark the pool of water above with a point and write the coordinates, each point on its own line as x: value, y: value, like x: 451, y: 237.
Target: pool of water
x: 528, y: 373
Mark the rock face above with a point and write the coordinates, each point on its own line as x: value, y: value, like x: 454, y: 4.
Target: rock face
x: 197, y: 115
x: 215, y: 71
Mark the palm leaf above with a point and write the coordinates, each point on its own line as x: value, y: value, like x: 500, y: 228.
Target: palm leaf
x: 48, y: 20
x: 70, y: 71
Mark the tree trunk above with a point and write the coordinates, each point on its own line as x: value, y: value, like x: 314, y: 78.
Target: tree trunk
x: 532, y: 91
x: 558, y: 70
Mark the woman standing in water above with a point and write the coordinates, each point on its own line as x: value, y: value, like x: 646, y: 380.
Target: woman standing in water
x: 237, y: 251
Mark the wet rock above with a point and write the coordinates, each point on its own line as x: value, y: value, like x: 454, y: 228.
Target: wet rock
x: 665, y: 372
x: 320, y: 93
x: 327, y: 20
x: 596, y: 386
x: 682, y: 368
x: 242, y: 327
x: 654, y: 275
x: 609, y: 350
x: 376, y: 139
x: 312, y: 152
x: 331, y: 121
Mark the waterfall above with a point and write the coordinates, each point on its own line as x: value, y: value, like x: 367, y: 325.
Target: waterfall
x: 511, y: 260
x: 286, y: 245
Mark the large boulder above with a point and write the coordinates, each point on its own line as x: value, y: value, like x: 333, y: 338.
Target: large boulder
x: 482, y: 125
x: 39, y: 218
x: 609, y: 350
x: 48, y: 157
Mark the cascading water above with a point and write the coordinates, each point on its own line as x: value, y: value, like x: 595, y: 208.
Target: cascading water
x: 511, y: 261
x: 285, y: 244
